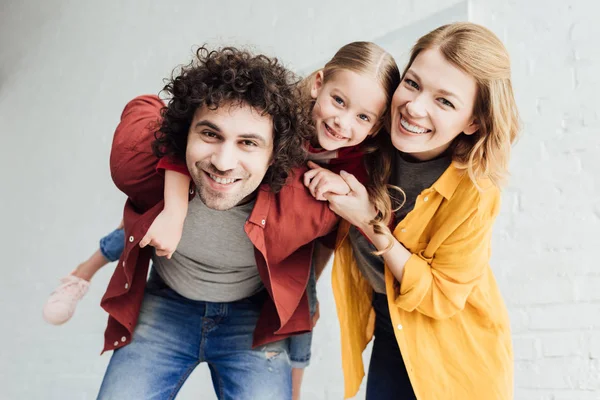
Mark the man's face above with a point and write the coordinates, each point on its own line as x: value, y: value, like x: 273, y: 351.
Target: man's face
x: 228, y: 153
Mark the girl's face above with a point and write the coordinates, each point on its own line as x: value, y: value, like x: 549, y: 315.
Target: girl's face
x: 348, y: 108
x: 432, y: 106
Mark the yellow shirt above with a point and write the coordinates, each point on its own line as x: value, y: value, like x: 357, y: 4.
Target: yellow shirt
x: 450, y: 321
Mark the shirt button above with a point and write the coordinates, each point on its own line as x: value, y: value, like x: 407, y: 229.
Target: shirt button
x: 403, y: 230
x: 191, y: 191
x: 262, y: 222
x: 123, y: 339
x: 426, y: 198
x: 399, y: 326
x: 131, y: 239
x: 116, y: 344
x: 127, y: 286
x: 123, y: 264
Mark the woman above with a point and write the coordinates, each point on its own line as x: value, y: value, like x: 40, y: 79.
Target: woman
x: 417, y: 274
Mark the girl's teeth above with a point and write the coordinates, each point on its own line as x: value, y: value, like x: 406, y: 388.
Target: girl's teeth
x: 412, y: 128
x: 333, y: 133
x: 222, y: 181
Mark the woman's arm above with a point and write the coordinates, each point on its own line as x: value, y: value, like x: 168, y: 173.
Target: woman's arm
x: 436, y: 286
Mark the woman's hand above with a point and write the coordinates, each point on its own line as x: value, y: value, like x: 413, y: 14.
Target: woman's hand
x: 355, y: 207
x: 320, y: 180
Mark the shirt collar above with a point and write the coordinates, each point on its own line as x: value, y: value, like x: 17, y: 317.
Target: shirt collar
x: 447, y: 183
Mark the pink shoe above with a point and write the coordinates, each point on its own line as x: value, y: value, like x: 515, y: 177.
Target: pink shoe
x: 62, y: 302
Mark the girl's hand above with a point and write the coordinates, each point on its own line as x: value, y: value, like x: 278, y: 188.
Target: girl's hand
x: 165, y: 233
x: 355, y: 207
x: 320, y: 180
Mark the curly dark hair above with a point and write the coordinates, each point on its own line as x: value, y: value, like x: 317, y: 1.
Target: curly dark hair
x: 233, y: 75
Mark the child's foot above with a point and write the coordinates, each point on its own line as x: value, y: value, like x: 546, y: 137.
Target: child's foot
x: 62, y: 302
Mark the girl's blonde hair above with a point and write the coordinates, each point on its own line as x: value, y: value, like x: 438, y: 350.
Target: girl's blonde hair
x: 484, y: 154
x: 365, y: 58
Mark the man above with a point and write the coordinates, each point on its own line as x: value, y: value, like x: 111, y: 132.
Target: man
x: 236, y: 286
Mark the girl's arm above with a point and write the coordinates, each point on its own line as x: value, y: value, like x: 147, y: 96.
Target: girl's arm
x: 165, y: 232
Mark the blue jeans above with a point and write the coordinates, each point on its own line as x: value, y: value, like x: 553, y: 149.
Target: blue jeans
x: 300, y: 345
x: 175, y: 334
x: 387, y: 378
x: 112, y: 245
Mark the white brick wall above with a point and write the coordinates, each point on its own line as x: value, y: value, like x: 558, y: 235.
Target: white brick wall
x: 66, y: 69
x: 547, y: 234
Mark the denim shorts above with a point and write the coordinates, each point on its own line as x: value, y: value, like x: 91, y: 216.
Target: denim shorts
x: 300, y: 345
x: 112, y: 245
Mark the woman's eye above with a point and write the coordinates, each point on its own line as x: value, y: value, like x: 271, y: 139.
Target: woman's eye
x: 446, y: 102
x: 411, y: 83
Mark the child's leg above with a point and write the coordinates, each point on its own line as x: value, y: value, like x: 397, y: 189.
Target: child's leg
x: 297, y: 375
x: 61, y: 304
x: 300, y: 357
x: 111, y: 247
x: 300, y: 345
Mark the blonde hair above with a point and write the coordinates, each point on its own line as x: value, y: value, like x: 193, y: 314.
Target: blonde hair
x: 372, y: 60
x: 365, y: 58
x: 484, y: 154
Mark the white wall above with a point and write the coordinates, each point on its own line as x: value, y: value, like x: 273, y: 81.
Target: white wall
x: 67, y: 68
x: 549, y: 230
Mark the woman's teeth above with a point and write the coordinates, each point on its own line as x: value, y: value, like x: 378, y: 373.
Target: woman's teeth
x: 412, y: 128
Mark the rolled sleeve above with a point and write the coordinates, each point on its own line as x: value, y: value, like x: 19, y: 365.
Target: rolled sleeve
x: 172, y: 164
x: 440, y: 286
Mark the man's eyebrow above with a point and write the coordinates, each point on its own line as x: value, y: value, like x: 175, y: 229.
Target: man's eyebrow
x: 254, y: 136
x: 207, y: 123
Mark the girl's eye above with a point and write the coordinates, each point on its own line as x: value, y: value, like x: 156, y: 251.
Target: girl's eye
x: 338, y: 100
x: 445, y: 102
x: 363, y: 117
x: 411, y: 83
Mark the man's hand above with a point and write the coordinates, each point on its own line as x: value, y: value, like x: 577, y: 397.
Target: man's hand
x: 164, y: 233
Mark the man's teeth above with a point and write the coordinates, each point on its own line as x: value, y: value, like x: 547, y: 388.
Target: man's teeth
x: 222, y: 181
x: 412, y: 128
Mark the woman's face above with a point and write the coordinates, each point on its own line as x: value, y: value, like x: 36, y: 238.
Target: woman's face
x: 432, y: 106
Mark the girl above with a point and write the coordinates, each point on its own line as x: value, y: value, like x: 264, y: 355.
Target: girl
x: 424, y: 285
x: 349, y: 99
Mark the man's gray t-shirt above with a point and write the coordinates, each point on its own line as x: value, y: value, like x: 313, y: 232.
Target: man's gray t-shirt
x: 412, y: 178
x: 215, y: 259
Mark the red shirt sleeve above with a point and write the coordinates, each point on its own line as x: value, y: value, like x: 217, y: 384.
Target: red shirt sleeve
x: 132, y: 162
x: 172, y: 164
